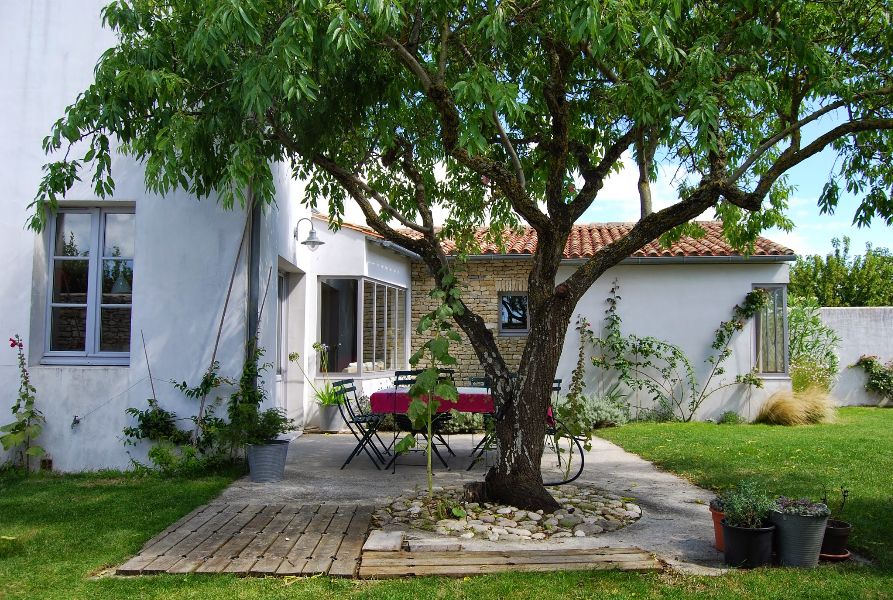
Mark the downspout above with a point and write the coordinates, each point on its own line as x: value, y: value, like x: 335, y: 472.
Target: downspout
x: 253, y: 259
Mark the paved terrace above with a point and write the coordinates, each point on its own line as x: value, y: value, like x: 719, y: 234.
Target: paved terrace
x: 675, y: 524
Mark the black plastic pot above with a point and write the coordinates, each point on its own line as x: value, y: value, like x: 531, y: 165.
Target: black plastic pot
x: 799, y: 538
x: 837, y: 535
x: 747, y: 548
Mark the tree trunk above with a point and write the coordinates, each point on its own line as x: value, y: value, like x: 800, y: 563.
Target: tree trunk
x: 520, y: 431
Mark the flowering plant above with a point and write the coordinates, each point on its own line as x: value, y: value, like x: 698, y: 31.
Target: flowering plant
x: 28, y: 420
x: 325, y: 394
x: 803, y: 507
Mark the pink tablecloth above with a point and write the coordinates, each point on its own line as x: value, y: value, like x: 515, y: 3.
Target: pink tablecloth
x: 471, y: 400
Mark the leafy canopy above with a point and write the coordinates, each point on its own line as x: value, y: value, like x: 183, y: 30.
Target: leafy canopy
x: 839, y: 279
x: 490, y: 109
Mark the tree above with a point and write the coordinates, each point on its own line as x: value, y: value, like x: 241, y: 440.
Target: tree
x: 839, y: 279
x: 501, y: 112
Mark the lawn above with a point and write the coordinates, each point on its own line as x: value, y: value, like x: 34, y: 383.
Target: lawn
x: 70, y: 528
x: 856, y: 451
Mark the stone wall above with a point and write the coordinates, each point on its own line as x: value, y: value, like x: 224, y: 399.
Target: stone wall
x: 481, y: 281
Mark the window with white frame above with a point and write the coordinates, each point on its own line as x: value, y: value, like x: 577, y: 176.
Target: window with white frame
x: 91, y: 282
x: 363, y: 325
x: 513, y: 316
x: 771, y: 332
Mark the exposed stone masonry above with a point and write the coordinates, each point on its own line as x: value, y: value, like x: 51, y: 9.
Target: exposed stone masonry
x: 481, y: 283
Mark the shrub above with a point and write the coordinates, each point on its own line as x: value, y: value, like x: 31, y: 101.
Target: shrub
x: 730, y: 417
x: 880, y: 376
x: 797, y: 408
x: 747, y: 506
x: 803, y: 507
x: 606, y: 410
x: 813, y: 346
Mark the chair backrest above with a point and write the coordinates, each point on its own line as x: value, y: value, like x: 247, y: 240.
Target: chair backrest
x: 405, y: 378
x: 346, y: 389
x: 556, y: 386
x: 483, y: 382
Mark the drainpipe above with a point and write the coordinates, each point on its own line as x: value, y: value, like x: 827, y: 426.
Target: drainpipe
x: 254, y: 238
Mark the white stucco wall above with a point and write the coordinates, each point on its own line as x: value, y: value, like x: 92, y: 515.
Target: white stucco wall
x: 682, y: 304
x: 867, y: 330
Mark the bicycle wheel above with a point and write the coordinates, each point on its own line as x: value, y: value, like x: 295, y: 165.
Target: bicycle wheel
x: 565, y: 449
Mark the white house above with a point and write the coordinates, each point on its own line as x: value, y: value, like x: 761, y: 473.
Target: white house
x: 115, y: 289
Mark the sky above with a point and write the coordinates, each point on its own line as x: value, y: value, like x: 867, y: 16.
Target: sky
x: 813, y: 232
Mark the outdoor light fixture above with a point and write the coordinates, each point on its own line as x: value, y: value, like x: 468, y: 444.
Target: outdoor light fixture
x: 312, y: 241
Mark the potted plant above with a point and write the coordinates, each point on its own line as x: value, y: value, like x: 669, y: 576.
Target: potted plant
x: 255, y: 429
x: 837, y: 531
x: 267, y: 453
x: 716, y: 511
x: 330, y: 420
x: 746, y: 531
x: 801, y: 527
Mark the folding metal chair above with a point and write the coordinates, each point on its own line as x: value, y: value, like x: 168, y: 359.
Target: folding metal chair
x: 364, y: 426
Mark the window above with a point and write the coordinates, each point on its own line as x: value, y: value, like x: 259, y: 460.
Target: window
x: 771, y: 326
x: 281, y: 323
x: 90, y: 297
x: 513, y: 318
x: 380, y: 333
x: 338, y: 323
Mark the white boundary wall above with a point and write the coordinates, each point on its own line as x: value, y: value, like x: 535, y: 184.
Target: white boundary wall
x: 867, y: 330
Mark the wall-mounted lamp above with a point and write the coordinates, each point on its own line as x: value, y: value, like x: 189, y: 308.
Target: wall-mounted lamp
x: 312, y: 241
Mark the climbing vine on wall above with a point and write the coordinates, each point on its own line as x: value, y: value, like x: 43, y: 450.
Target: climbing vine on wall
x: 662, y: 369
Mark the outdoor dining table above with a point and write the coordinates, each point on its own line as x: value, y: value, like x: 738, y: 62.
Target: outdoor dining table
x: 396, y: 401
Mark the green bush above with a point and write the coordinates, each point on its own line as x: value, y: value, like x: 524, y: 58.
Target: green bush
x: 606, y: 410
x: 748, y: 506
x: 813, y: 347
x: 730, y: 417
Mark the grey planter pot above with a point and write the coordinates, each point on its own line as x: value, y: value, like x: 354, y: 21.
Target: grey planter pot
x: 330, y: 420
x: 799, y: 539
x: 266, y: 462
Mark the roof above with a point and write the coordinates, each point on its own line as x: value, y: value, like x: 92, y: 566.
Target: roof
x: 585, y: 240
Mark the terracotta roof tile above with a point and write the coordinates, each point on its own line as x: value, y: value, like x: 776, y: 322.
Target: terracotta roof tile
x: 585, y: 240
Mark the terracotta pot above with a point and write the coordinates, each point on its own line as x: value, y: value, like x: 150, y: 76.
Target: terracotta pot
x: 718, y: 516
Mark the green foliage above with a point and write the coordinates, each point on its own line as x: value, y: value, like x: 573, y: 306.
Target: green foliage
x: 880, y: 376
x: 210, y: 94
x: 662, y: 369
x: 839, y: 279
x: 837, y: 508
x: 325, y: 394
x: 176, y: 452
x: 730, y: 417
x: 19, y: 435
x: 747, y: 505
x: 430, y: 388
x: 154, y: 424
x: 812, y: 349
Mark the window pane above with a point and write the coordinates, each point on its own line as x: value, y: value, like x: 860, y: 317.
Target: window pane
x: 400, y: 329
x: 117, y: 281
x: 73, y: 234
x: 514, y: 312
x: 68, y: 329
x: 391, y: 332
x: 118, y: 235
x: 338, y: 326
x: 771, y: 332
x: 368, y: 324
x: 380, y: 321
x: 114, y: 330
x: 70, y: 281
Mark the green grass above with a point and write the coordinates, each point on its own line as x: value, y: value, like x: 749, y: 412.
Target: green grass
x: 69, y: 528
x: 856, y: 451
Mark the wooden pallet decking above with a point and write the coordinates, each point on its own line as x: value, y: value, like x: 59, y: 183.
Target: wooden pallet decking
x: 382, y: 565
x: 251, y: 539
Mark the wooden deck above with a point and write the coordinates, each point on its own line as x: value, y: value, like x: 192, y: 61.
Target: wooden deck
x: 252, y: 539
x: 288, y: 539
x: 382, y: 565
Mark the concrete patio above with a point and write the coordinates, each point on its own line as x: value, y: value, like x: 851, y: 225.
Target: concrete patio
x: 675, y: 523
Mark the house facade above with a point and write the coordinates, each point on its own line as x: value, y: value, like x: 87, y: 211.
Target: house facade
x: 120, y: 297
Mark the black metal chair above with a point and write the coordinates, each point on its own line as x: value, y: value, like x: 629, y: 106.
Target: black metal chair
x: 363, y: 425
x: 403, y: 423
